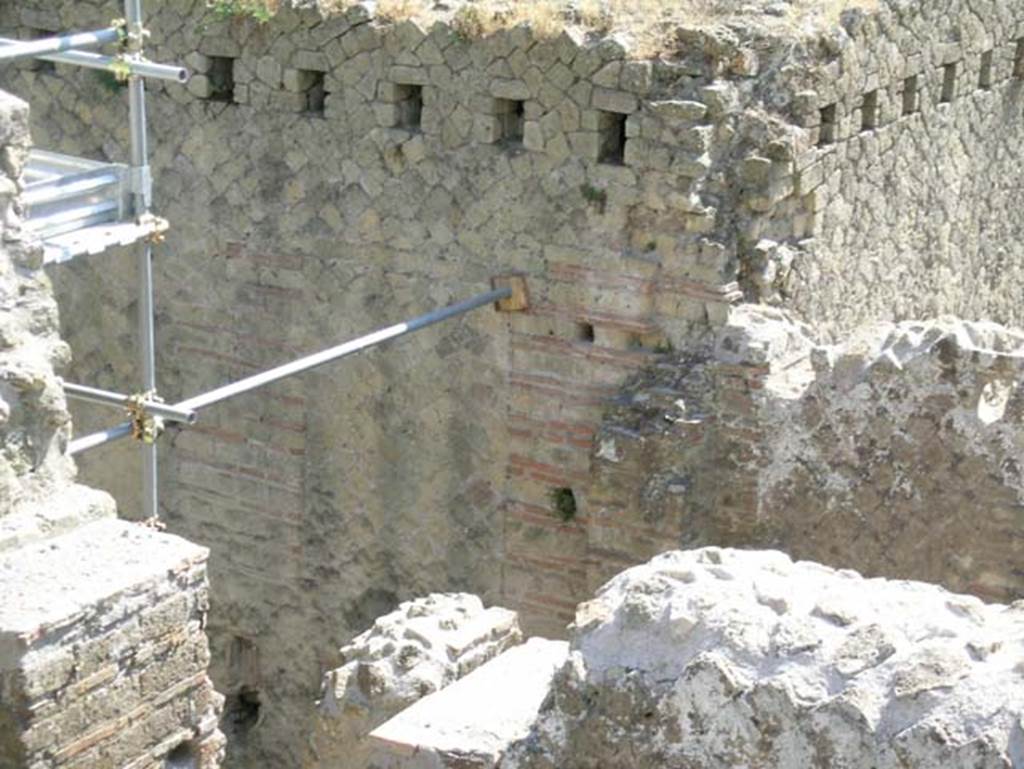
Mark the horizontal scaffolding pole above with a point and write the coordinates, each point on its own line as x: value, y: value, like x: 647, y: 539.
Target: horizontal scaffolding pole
x: 93, y: 440
x: 302, y: 365
x: 107, y: 398
x: 28, y: 49
x: 113, y: 64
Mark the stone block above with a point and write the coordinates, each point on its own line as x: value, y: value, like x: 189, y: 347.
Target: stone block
x: 105, y: 621
x: 509, y: 89
x: 613, y: 101
x: 533, y: 136
x: 409, y: 75
x: 422, y: 647
x: 298, y: 80
x: 465, y: 719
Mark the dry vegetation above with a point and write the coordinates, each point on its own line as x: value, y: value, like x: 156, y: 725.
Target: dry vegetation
x: 649, y: 23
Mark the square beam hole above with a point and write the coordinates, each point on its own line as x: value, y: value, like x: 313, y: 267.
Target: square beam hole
x: 585, y: 332
x: 611, y: 128
x: 985, y: 71
x: 949, y: 73
x: 869, y: 111
x: 911, y: 95
x: 510, y: 114
x: 828, y: 129
x: 38, y: 65
x: 410, y: 106
x: 312, y: 83
x: 222, y: 79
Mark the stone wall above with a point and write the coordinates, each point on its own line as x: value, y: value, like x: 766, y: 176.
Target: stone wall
x: 915, y: 177
x: 896, y: 452
x: 328, y: 175
x: 720, y: 658
x: 102, y: 647
x: 421, y: 647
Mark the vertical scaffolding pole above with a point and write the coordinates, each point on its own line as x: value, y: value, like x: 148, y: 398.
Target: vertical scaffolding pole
x: 142, y: 183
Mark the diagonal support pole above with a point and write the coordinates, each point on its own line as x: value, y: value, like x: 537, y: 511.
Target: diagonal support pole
x: 303, y: 364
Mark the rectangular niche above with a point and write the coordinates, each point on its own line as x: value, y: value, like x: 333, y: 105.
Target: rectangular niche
x: 38, y: 65
x: 611, y: 128
x: 985, y: 71
x: 869, y: 111
x: 410, y: 106
x: 828, y: 129
x: 510, y: 114
x: 1018, y: 60
x: 222, y: 79
x: 911, y: 95
x: 310, y: 84
x: 949, y: 74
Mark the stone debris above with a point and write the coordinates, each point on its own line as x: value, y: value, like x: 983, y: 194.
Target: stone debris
x: 325, y: 175
x: 103, y: 649
x: 718, y: 658
x: 419, y: 648
x: 489, y: 710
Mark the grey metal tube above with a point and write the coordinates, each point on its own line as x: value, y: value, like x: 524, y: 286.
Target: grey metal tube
x: 341, y: 351
x: 112, y: 64
x: 143, y: 200
x: 93, y: 440
x: 120, y: 400
x: 303, y: 364
x: 29, y: 49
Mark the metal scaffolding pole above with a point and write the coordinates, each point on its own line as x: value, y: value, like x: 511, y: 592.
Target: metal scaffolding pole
x: 120, y: 400
x: 302, y: 364
x: 142, y: 187
x: 110, y: 63
x: 30, y: 49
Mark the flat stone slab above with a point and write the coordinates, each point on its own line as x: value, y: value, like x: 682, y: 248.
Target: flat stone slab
x: 472, y: 722
x: 56, y: 582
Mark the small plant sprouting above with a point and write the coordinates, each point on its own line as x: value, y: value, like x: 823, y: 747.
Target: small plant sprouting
x: 564, y: 502
x: 594, y: 195
x: 664, y: 346
x: 109, y: 81
x: 260, y: 10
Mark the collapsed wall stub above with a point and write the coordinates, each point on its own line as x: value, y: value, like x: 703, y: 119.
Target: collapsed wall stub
x: 329, y: 175
x: 721, y: 658
x: 102, y: 647
x: 896, y: 451
x: 423, y: 646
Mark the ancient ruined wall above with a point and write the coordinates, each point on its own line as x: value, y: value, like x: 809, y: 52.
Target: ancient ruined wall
x: 896, y: 452
x: 913, y: 181
x: 303, y: 217
x: 326, y: 176
x: 102, y: 647
x: 719, y: 658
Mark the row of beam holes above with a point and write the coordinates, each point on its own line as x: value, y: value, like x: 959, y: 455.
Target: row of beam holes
x: 912, y: 95
x: 511, y: 118
x: 222, y: 85
x: 510, y: 112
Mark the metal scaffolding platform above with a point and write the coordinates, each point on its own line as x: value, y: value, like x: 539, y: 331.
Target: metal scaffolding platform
x: 81, y: 207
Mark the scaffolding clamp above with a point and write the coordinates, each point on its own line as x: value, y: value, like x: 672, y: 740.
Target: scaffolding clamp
x: 156, y: 226
x: 122, y: 26
x: 133, y: 37
x: 146, y: 427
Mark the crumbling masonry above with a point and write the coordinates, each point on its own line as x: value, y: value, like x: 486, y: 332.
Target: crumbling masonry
x: 738, y: 255
x: 103, y: 655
